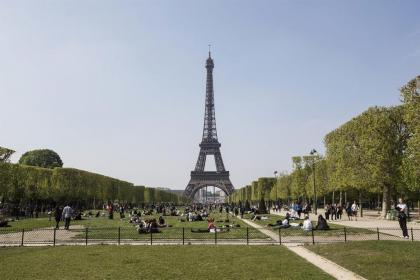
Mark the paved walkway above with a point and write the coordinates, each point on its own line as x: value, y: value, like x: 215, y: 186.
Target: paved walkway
x: 324, y: 264
x: 387, y: 227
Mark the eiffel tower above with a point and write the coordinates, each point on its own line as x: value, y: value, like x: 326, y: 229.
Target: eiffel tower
x: 209, y: 146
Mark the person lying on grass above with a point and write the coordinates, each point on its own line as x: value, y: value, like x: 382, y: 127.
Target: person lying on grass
x: 281, y: 224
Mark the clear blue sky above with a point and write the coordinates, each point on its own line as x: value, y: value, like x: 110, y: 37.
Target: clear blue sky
x: 118, y: 87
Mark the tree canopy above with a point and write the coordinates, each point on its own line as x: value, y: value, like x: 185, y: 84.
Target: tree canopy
x: 375, y: 153
x: 5, y: 154
x: 42, y: 158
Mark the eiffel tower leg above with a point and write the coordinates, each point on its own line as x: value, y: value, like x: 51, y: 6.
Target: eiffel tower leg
x: 219, y: 161
x: 201, y: 161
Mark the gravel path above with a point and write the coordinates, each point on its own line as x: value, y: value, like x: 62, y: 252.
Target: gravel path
x: 41, y: 236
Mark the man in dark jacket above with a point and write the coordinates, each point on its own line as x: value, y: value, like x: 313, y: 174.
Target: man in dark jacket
x: 57, y: 216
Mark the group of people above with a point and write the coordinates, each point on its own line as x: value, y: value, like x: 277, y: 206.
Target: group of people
x: 306, y: 225
x: 149, y: 225
x: 64, y: 214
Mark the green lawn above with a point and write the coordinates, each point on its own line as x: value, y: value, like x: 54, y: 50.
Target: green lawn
x: 104, y: 228
x: 375, y: 259
x: 155, y: 262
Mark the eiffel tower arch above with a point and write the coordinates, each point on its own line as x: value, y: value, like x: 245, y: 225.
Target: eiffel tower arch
x: 209, y: 145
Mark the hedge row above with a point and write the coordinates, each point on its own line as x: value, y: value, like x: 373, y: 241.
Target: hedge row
x: 20, y: 183
x: 262, y: 188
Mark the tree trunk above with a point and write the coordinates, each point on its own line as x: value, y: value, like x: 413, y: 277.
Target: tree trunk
x: 360, y: 204
x: 333, y: 197
x: 418, y: 207
x: 345, y: 198
x: 324, y: 201
x: 341, y: 198
x: 385, y: 201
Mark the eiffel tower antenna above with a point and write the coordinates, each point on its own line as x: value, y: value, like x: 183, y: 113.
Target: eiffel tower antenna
x: 209, y: 146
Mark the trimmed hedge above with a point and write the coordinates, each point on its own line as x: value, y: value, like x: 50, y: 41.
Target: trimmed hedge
x: 21, y: 183
x: 262, y: 188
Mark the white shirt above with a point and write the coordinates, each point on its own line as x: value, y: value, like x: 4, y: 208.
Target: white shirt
x: 285, y: 222
x: 67, y: 211
x: 353, y: 207
x: 307, y: 224
x: 403, y: 207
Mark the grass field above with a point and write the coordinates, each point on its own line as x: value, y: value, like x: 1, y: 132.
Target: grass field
x: 104, y: 228
x: 155, y: 262
x: 375, y: 259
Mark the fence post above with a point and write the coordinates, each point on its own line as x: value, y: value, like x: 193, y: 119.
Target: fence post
x: 279, y: 235
x: 377, y: 230
x: 313, y: 237
x: 345, y: 235
x: 215, y: 235
x: 151, y: 237
x: 55, y: 230
x: 86, y: 239
x: 23, y: 234
x: 412, y: 236
x: 183, y: 236
x: 247, y: 235
x: 119, y: 235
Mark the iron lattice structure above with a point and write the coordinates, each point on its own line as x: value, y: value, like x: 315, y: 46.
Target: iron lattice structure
x: 209, y: 146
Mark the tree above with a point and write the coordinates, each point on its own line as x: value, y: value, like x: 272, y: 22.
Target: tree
x: 42, y: 158
x: 5, y: 154
x: 410, y: 94
x: 366, y: 153
x: 300, y: 174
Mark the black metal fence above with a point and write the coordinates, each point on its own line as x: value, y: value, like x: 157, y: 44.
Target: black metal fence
x: 183, y: 236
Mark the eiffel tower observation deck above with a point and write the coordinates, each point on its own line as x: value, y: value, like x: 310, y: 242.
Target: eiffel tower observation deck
x: 209, y: 145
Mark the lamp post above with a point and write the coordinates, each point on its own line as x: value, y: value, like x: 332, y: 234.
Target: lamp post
x: 276, y: 176
x: 314, y: 153
x: 276, y: 186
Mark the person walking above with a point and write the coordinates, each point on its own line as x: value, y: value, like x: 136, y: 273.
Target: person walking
x: 354, y: 209
x: 402, y: 216
x: 57, y: 216
x: 66, y: 215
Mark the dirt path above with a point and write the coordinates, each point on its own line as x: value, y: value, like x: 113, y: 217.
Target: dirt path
x: 41, y: 236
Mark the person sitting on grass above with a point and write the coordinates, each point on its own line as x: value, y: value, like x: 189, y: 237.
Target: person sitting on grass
x: 3, y: 222
x: 285, y: 223
x: 211, y: 225
x: 141, y: 227
x: 78, y: 216
x: 307, y: 224
x: 322, y: 223
x: 153, y: 226
x: 161, y: 222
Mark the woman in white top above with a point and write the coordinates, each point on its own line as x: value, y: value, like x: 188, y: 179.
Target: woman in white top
x: 307, y: 224
x: 354, y: 209
x: 402, y: 216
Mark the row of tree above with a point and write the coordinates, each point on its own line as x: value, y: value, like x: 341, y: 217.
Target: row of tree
x: 375, y: 156
x: 22, y: 184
